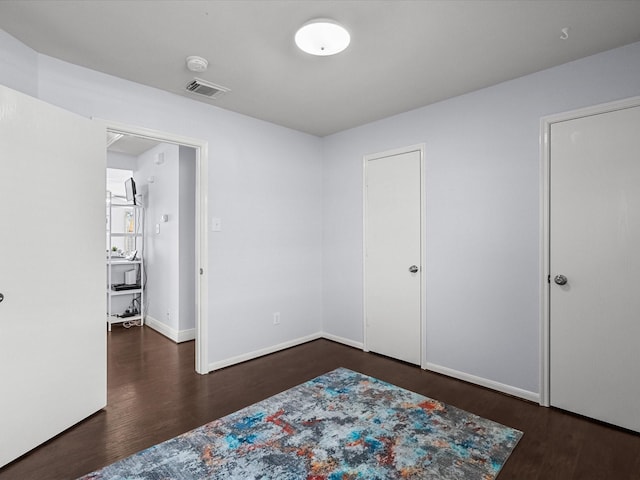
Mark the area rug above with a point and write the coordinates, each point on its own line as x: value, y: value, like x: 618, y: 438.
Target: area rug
x: 340, y: 426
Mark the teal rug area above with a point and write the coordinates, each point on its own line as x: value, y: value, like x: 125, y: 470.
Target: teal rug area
x: 340, y: 426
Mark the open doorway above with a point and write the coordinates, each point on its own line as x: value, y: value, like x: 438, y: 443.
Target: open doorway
x: 155, y: 227
x: 169, y: 173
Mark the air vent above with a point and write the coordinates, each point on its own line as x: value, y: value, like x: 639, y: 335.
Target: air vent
x: 207, y: 89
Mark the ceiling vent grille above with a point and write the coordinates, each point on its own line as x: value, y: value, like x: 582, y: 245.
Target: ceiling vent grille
x: 202, y: 87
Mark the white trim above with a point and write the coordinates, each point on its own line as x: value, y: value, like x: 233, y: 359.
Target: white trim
x: 202, y: 185
x: 202, y: 259
x: 543, y: 386
x: 365, y: 343
x: 263, y: 351
x: 545, y: 205
x: 344, y: 341
x: 423, y: 222
x: 177, y: 336
x: 423, y: 257
x: 483, y: 382
x: 186, y: 335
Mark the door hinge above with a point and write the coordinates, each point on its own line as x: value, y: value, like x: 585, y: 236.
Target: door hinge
x: 201, y: 271
x: 548, y: 278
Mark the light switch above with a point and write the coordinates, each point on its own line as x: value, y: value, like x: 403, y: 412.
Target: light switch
x: 216, y: 224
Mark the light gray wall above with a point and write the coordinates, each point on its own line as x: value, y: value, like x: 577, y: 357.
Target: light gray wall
x: 18, y: 65
x: 483, y: 213
x: 162, y: 262
x: 264, y: 181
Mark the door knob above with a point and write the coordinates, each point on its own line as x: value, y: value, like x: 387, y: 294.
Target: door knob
x: 413, y: 268
x: 1, y: 297
x: 560, y: 279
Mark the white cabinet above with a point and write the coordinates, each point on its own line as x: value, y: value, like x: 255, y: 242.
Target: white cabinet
x: 125, y: 263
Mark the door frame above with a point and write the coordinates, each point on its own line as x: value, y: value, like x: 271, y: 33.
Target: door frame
x: 423, y: 209
x: 201, y: 260
x: 545, y: 238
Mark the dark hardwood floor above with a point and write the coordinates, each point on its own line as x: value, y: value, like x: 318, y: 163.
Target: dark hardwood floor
x: 155, y: 394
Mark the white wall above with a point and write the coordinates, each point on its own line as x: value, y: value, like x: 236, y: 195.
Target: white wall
x: 265, y: 183
x: 162, y: 263
x: 483, y: 194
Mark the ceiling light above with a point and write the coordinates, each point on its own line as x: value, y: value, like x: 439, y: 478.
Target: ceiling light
x: 197, y: 64
x: 322, y: 37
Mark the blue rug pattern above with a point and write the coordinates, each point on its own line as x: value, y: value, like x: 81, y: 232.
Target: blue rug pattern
x: 340, y: 426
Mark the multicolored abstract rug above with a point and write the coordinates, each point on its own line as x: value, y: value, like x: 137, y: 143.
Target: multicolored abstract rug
x: 340, y: 426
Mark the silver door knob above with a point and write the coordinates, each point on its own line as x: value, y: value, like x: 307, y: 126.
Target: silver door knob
x: 560, y: 279
x: 413, y: 268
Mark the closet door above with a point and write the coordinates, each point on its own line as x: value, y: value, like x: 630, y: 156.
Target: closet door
x: 52, y: 271
x: 595, y: 266
x: 393, y: 255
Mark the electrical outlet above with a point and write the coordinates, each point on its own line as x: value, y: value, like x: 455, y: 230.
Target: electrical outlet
x: 276, y: 318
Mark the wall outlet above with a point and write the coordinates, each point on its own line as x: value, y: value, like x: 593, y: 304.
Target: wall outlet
x: 276, y: 318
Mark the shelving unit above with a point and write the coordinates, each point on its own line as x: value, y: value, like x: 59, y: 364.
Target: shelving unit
x: 125, y: 253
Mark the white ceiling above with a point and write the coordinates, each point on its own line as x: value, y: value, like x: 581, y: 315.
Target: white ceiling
x: 403, y: 54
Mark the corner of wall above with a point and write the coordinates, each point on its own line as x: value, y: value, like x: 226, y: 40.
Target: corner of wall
x: 177, y: 336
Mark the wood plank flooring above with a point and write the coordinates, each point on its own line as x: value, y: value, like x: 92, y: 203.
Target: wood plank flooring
x: 155, y: 394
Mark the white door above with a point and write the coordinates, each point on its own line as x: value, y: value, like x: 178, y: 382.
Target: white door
x: 595, y: 244
x: 52, y: 271
x: 393, y: 260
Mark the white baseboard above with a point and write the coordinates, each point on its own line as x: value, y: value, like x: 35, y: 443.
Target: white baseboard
x: 483, y: 382
x: 344, y: 341
x: 178, y: 336
x: 282, y: 346
x: 186, y: 335
x: 263, y: 351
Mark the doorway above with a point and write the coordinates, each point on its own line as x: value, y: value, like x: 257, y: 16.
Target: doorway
x: 394, y: 287
x: 591, y: 266
x: 199, y: 272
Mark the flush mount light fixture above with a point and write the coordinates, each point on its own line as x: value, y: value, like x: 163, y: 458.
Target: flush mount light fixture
x: 322, y: 37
